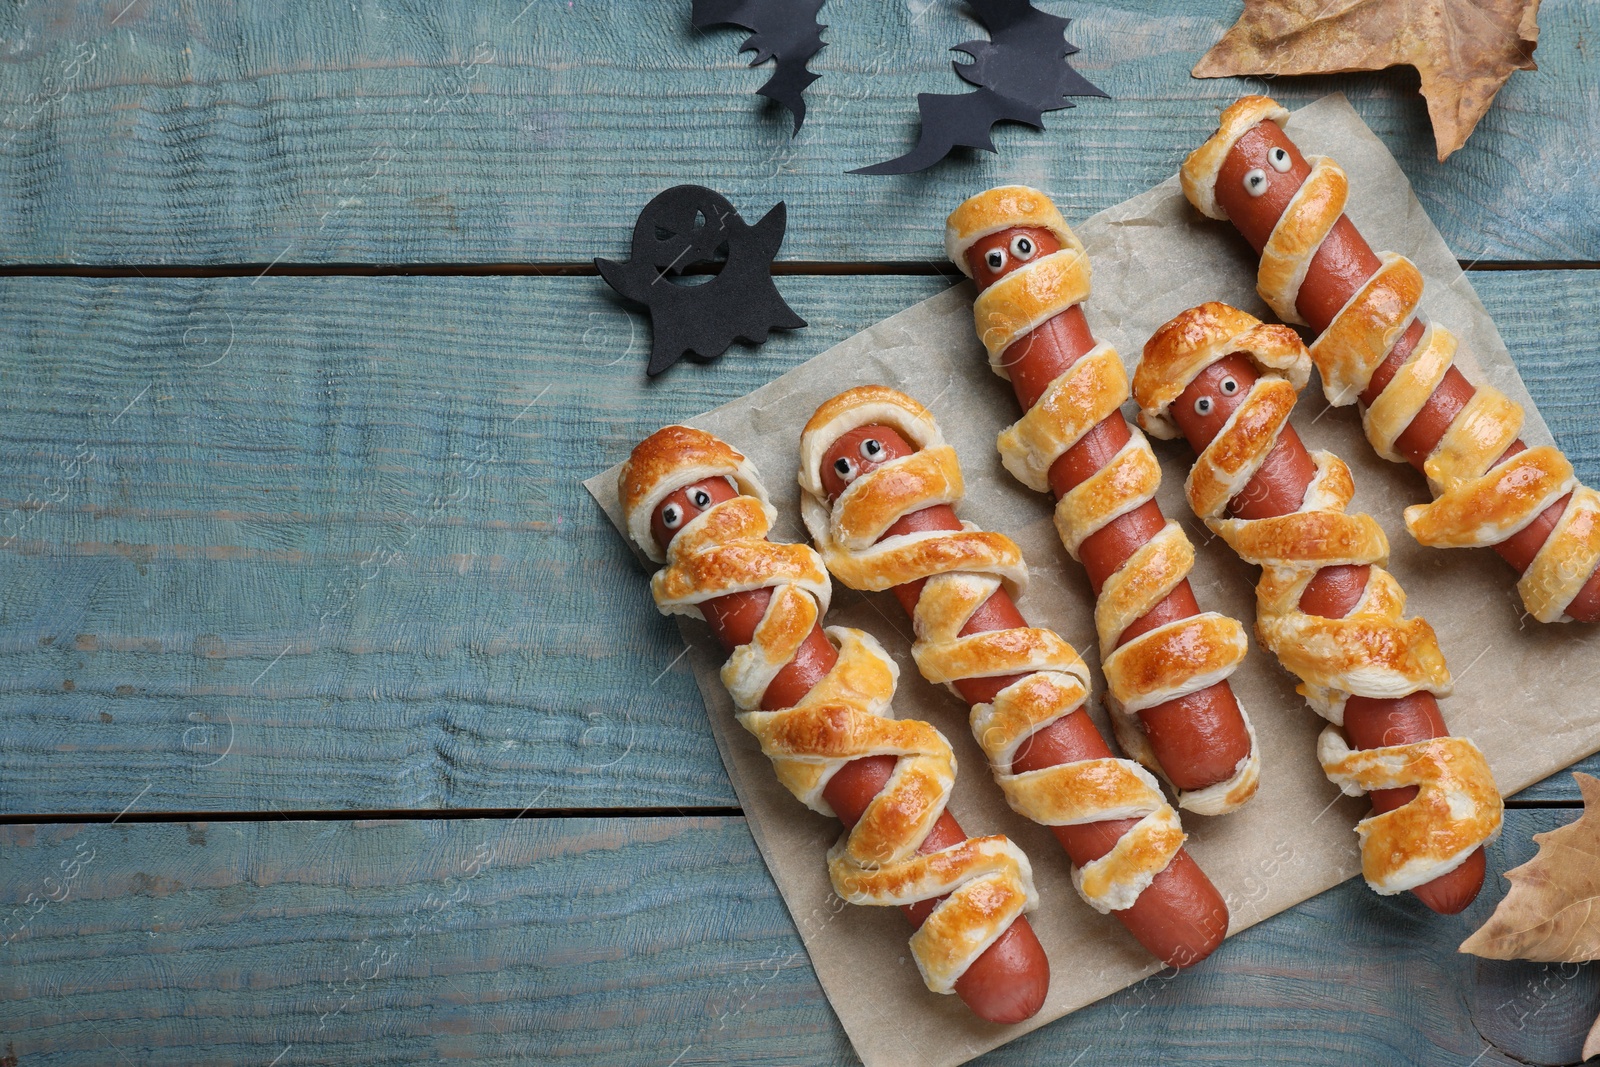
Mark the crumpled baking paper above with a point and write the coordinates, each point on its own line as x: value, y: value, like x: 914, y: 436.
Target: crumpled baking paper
x: 1523, y: 690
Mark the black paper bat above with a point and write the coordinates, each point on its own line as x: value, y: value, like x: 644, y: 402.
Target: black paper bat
x: 689, y: 225
x: 1021, y: 72
x: 784, y: 30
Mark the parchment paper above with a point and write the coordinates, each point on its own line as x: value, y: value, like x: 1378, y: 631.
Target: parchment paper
x: 1524, y: 691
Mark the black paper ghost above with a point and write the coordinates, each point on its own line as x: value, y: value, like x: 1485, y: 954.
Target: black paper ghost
x: 1021, y: 72
x: 690, y: 225
x: 783, y: 30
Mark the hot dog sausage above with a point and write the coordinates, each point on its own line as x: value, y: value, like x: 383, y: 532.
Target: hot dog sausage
x: 1342, y: 263
x: 1006, y: 984
x: 1198, y: 739
x: 1180, y: 918
x: 1278, y: 489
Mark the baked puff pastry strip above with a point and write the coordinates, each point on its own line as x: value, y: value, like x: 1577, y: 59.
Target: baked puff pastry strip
x: 1374, y: 651
x: 1180, y: 657
x: 987, y: 881
x: 1487, y: 487
x: 960, y: 579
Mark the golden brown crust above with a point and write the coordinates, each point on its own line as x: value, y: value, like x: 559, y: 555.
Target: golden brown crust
x: 1456, y: 811
x: 668, y: 460
x: 1128, y: 479
x: 1477, y: 506
x: 987, y: 882
x: 1055, y: 681
x: 1489, y: 508
x: 1479, y: 434
x: 1410, y: 388
x: 1147, y: 578
x: 664, y: 455
x: 1079, y: 399
x: 870, y: 506
x: 1187, y: 344
x: 1029, y: 296
x: 1240, y: 447
x: 1086, y: 791
x: 998, y: 889
x: 864, y: 405
x: 1198, y: 176
x: 1002, y: 208
x: 1366, y: 328
x: 1316, y: 206
x: 1173, y: 660
x: 1564, y: 562
x: 1147, y: 847
x: 1374, y: 651
x: 1091, y: 390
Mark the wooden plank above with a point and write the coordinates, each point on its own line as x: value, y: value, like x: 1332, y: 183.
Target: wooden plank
x: 1564, y: 379
x: 320, y: 543
x: 640, y: 940
x: 535, y: 131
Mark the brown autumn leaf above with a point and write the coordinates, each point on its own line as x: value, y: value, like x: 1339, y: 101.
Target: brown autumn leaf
x: 1552, y: 912
x: 1464, y: 49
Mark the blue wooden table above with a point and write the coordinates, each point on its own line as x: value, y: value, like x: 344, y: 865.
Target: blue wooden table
x: 336, y: 725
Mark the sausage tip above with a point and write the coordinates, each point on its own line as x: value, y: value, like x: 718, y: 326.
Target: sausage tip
x: 1450, y: 893
x: 1010, y: 981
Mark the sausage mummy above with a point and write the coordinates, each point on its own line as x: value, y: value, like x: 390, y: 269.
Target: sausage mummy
x: 1490, y: 489
x: 818, y: 702
x: 1229, y: 384
x: 1166, y: 662
x: 878, y: 483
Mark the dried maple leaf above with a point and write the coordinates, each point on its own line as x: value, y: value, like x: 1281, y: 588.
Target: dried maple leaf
x: 1464, y: 49
x: 1552, y: 912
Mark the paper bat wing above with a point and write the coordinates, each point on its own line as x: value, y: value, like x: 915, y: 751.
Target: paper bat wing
x: 1025, y: 58
x: 952, y: 120
x: 785, y: 31
x: 786, y: 87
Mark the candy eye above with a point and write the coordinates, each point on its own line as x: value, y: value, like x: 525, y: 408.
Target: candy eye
x: 1022, y: 246
x: 871, y: 448
x: 672, y: 516
x: 1255, y: 183
x: 995, y: 258
x: 1279, y: 158
x: 1228, y: 387
x: 700, y: 499
x: 1202, y: 406
x: 846, y: 469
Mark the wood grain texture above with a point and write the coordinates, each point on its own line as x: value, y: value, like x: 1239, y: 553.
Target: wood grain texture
x: 320, y: 543
x: 1563, y: 376
x: 640, y: 940
x: 534, y: 131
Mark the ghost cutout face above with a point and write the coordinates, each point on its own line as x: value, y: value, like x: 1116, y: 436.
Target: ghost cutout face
x: 690, y: 226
